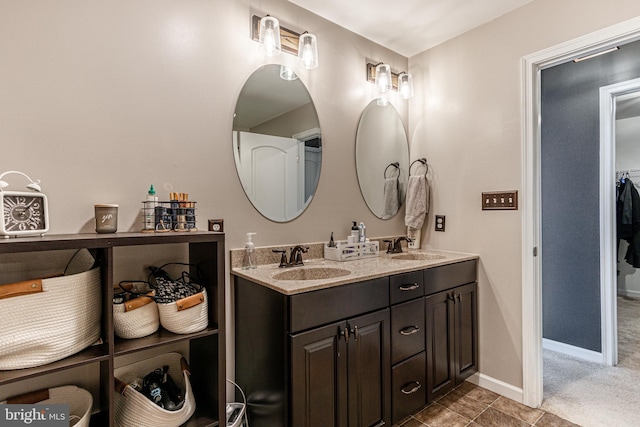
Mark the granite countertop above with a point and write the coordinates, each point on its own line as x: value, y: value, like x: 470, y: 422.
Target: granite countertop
x: 357, y: 271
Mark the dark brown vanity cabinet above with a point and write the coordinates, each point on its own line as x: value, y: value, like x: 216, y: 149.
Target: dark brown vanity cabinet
x: 339, y: 373
x: 318, y: 358
x: 362, y: 354
x: 451, y: 334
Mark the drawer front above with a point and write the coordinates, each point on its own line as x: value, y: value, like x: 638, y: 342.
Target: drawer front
x: 449, y: 276
x: 316, y: 308
x: 407, y: 330
x: 408, y: 387
x: 406, y: 286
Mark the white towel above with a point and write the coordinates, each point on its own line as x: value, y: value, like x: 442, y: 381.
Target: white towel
x: 417, y: 201
x: 390, y: 195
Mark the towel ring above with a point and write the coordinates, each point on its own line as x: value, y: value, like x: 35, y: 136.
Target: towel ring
x: 395, y: 165
x: 424, y: 162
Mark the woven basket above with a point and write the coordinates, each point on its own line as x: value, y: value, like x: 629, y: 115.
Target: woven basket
x: 136, y: 318
x: 187, y: 315
x: 79, y: 400
x: 58, y: 321
x: 133, y: 409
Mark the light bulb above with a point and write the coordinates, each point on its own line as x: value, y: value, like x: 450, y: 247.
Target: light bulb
x: 308, y: 51
x: 270, y: 36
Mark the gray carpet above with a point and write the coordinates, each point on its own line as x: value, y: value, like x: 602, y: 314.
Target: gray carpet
x: 594, y: 395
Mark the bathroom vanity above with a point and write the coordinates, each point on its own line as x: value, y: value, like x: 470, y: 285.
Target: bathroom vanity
x: 364, y: 348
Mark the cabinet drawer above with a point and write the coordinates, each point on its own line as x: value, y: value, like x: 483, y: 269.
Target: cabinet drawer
x: 408, y: 387
x: 406, y: 286
x: 407, y: 330
x: 316, y: 308
x: 449, y: 276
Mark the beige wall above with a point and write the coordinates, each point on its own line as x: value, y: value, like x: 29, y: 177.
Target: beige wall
x: 100, y: 99
x: 466, y: 119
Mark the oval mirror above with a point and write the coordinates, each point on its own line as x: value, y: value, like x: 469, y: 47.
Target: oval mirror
x: 277, y: 144
x: 382, y: 159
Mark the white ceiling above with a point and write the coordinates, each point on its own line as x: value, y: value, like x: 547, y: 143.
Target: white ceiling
x: 409, y: 27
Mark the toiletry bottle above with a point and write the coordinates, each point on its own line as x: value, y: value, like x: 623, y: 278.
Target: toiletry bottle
x: 414, y: 235
x: 249, y: 259
x: 149, y: 209
x: 362, y: 233
x: 355, y: 233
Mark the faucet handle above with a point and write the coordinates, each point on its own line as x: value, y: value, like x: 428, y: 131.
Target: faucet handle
x: 283, y: 256
x: 389, y: 246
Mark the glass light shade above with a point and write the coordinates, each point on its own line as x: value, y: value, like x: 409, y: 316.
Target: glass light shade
x: 308, y: 51
x: 383, y: 78
x: 405, y: 85
x: 287, y: 73
x: 269, y: 38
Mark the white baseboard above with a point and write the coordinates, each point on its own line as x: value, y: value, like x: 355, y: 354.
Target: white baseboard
x: 570, y: 350
x: 629, y: 293
x: 497, y: 386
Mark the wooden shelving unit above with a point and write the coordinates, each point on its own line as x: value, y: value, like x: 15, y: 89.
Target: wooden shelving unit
x: 206, y: 348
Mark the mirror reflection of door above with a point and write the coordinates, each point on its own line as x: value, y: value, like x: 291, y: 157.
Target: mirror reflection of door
x: 277, y: 144
x: 271, y: 171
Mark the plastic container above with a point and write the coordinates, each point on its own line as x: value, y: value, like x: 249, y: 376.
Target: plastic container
x: 150, y: 208
x: 249, y: 259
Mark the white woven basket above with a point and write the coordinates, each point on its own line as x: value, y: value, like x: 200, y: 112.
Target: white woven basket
x: 135, y: 322
x: 43, y: 327
x: 133, y: 409
x: 79, y: 400
x: 175, y: 318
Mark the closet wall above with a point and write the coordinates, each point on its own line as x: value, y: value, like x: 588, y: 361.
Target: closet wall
x: 628, y: 158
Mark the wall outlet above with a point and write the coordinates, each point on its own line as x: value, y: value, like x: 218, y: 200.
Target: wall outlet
x: 500, y: 200
x: 440, y: 222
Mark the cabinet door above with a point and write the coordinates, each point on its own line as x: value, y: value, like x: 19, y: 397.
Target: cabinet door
x: 319, y: 377
x: 369, y: 370
x: 439, y: 309
x: 466, y: 331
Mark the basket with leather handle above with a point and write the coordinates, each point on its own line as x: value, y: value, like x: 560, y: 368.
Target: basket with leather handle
x: 135, y: 314
x: 183, y: 305
x: 134, y: 409
x: 79, y: 400
x: 45, y: 320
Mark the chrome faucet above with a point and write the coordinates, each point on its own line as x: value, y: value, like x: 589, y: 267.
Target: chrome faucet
x: 395, y: 246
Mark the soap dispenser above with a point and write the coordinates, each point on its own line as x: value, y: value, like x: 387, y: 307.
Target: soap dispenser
x: 249, y: 259
x: 355, y: 233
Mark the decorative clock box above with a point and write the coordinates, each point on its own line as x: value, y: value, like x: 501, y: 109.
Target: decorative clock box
x: 24, y: 213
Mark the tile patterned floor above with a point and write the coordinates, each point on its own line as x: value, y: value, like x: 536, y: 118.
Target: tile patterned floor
x: 473, y: 406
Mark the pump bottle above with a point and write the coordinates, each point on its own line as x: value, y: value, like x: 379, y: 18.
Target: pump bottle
x: 249, y: 259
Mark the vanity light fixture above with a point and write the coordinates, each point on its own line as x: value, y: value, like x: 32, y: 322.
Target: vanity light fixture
x: 308, y: 51
x: 385, y: 79
x: 304, y: 46
x: 269, y: 38
x: 405, y: 85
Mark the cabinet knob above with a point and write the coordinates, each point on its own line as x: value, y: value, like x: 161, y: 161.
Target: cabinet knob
x: 415, y: 386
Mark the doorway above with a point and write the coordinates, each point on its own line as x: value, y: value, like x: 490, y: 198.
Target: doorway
x: 532, y: 292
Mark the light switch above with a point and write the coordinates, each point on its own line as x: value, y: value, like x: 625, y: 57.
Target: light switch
x: 500, y: 200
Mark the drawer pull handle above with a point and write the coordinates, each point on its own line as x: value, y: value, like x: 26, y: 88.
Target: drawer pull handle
x: 410, y: 287
x: 416, y: 386
x: 409, y: 330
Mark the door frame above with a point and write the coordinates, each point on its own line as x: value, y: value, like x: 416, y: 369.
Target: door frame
x: 608, y: 240
x: 531, y: 67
